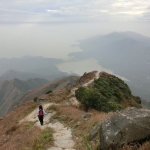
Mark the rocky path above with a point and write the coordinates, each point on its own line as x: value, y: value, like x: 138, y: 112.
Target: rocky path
x: 62, y: 135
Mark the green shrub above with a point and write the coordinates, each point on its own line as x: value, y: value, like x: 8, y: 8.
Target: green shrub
x: 114, y: 106
x: 106, y: 94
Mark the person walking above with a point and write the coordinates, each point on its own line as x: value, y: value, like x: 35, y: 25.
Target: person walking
x: 41, y: 114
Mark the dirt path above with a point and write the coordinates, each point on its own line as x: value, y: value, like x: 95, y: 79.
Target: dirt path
x: 96, y: 77
x: 72, y: 96
x: 62, y: 135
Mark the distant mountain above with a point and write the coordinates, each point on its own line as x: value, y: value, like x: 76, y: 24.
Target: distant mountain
x: 126, y: 53
x: 29, y: 67
x: 11, y: 90
x: 21, y: 75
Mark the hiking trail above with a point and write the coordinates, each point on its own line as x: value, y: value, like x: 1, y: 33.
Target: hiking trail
x: 62, y: 135
x: 72, y: 97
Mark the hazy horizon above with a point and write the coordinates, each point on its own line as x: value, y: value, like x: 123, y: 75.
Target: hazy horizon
x: 51, y: 28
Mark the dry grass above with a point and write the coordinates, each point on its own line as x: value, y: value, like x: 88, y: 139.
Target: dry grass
x: 145, y: 146
x: 28, y: 139
x: 72, y: 117
x: 58, y: 96
x: 70, y: 111
x: 9, y: 126
x: 24, y: 136
x: 22, y: 139
x: 136, y: 146
x: 10, y: 121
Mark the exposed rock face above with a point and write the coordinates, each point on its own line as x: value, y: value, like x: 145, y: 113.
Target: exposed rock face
x: 125, y: 126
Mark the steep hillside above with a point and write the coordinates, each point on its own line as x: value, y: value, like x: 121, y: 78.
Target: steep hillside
x: 107, y: 93
x: 11, y: 90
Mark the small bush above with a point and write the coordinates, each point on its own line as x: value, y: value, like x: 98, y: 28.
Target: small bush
x: 50, y: 91
x: 35, y: 99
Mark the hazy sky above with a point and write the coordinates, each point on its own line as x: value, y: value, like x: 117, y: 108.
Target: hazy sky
x: 49, y: 27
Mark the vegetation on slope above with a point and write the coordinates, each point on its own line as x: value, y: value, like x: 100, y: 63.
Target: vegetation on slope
x: 108, y: 93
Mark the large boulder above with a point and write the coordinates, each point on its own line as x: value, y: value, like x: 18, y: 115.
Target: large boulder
x: 125, y: 126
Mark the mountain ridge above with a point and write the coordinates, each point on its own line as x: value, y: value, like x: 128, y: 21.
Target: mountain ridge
x: 125, y: 53
x: 29, y: 67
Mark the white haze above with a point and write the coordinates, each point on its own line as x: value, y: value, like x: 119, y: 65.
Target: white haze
x: 56, y: 39
x: 49, y: 28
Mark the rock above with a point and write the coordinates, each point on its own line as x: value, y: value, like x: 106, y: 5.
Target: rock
x: 138, y: 100
x: 64, y: 143
x: 94, y: 131
x: 125, y: 126
x: 6, y: 138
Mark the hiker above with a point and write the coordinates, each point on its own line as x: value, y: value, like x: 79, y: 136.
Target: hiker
x: 41, y: 114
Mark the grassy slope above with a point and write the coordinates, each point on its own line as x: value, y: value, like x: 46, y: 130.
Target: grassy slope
x: 107, y: 93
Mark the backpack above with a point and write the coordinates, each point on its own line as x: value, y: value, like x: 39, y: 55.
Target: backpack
x: 40, y: 112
